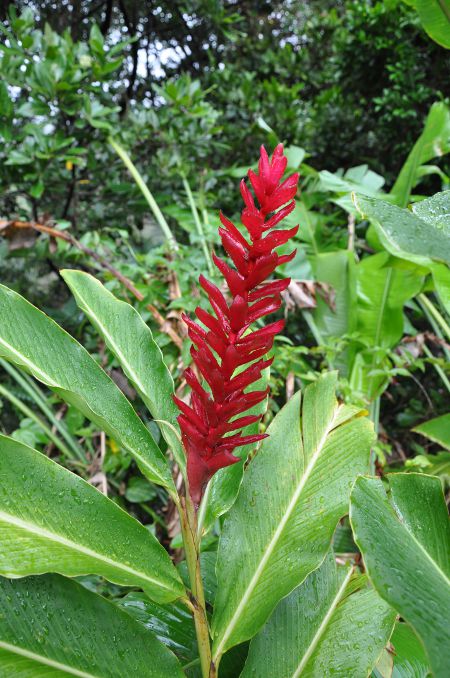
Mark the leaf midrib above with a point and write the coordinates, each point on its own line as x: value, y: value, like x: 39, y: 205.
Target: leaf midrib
x: 317, y: 636
x: 421, y: 547
x: 276, y: 536
x: 15, y: 649
x: 79, y: 548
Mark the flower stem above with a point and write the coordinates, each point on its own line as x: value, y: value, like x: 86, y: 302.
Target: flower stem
x: 192, y: 551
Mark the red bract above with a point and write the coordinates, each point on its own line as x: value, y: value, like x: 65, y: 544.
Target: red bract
x: 224, y: 344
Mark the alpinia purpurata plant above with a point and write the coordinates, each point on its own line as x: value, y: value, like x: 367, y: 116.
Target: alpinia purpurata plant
x: 275, y: 587
x: 211, y: 416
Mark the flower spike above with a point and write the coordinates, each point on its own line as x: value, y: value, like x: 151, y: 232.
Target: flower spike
x: 223, y: 345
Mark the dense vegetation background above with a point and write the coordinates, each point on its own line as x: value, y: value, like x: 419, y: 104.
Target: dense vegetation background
x: 190, y: 90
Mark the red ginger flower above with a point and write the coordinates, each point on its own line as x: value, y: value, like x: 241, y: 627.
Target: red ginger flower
x: 225, y: 345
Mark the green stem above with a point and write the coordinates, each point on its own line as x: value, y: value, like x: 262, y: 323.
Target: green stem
x: 31, y: 415
x: 430, y: 310
x: 121, y: 152
x: 192, y: 551
x: 198, y: 224
x: 34, y: 392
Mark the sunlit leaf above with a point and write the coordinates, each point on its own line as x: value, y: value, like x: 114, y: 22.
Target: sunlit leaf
x: 51, y: 627
x: 283, y: 520
x: 36, y: 343
x: 53, y: 521
x: 331, y: 625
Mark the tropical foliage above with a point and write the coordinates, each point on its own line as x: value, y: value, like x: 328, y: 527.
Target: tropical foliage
x: 240, y: 496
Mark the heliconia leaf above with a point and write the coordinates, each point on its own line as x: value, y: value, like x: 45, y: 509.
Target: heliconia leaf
x: 437, y: 429
x: 435, y: 18
x: 131, y: 340
x: 51, y: 627
x: 433, y: 142
x: 410, y: 660
x: 53, y: 521
x: 292, y: 496
x: 420, y: 235
x: 410, y: 235
x: 331, y: 625
x: 33, y: 341
x: 404, y: 537
x: 171, y: 623
x: 382, y: 292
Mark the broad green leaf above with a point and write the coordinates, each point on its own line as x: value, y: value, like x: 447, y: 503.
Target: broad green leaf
x: 360, y: 179
x: 96, y: 39
x: 383, y: 290
x: 171, y: 623
x: 51, y: 627
x: 433, y: 142
x: 323, y: 628
x: 343, y: 539
x: 435, y: 18
x: 293, y: 494
x: 404, y: 537
x: 421, y: 236
x: 309, y: 220
x: 410, y: 660
x: 437, y: 429
x: 53, y: 521
x: 407, y: 234
x: 435, y: 211
x: 36, y: 343
x: 131, y: 340
x: 295, y: 156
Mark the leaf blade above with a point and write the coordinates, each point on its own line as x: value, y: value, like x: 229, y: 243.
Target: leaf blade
x: 407, y: 234
x: 131, y: 340
x: 279, y: 506
x: 26, y: 335
x: 34, y: 629
x: 309, y: 632
x: 434, y: 141
x: 416, y: 536
x: 61, y: 528
x: 436, y: 429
